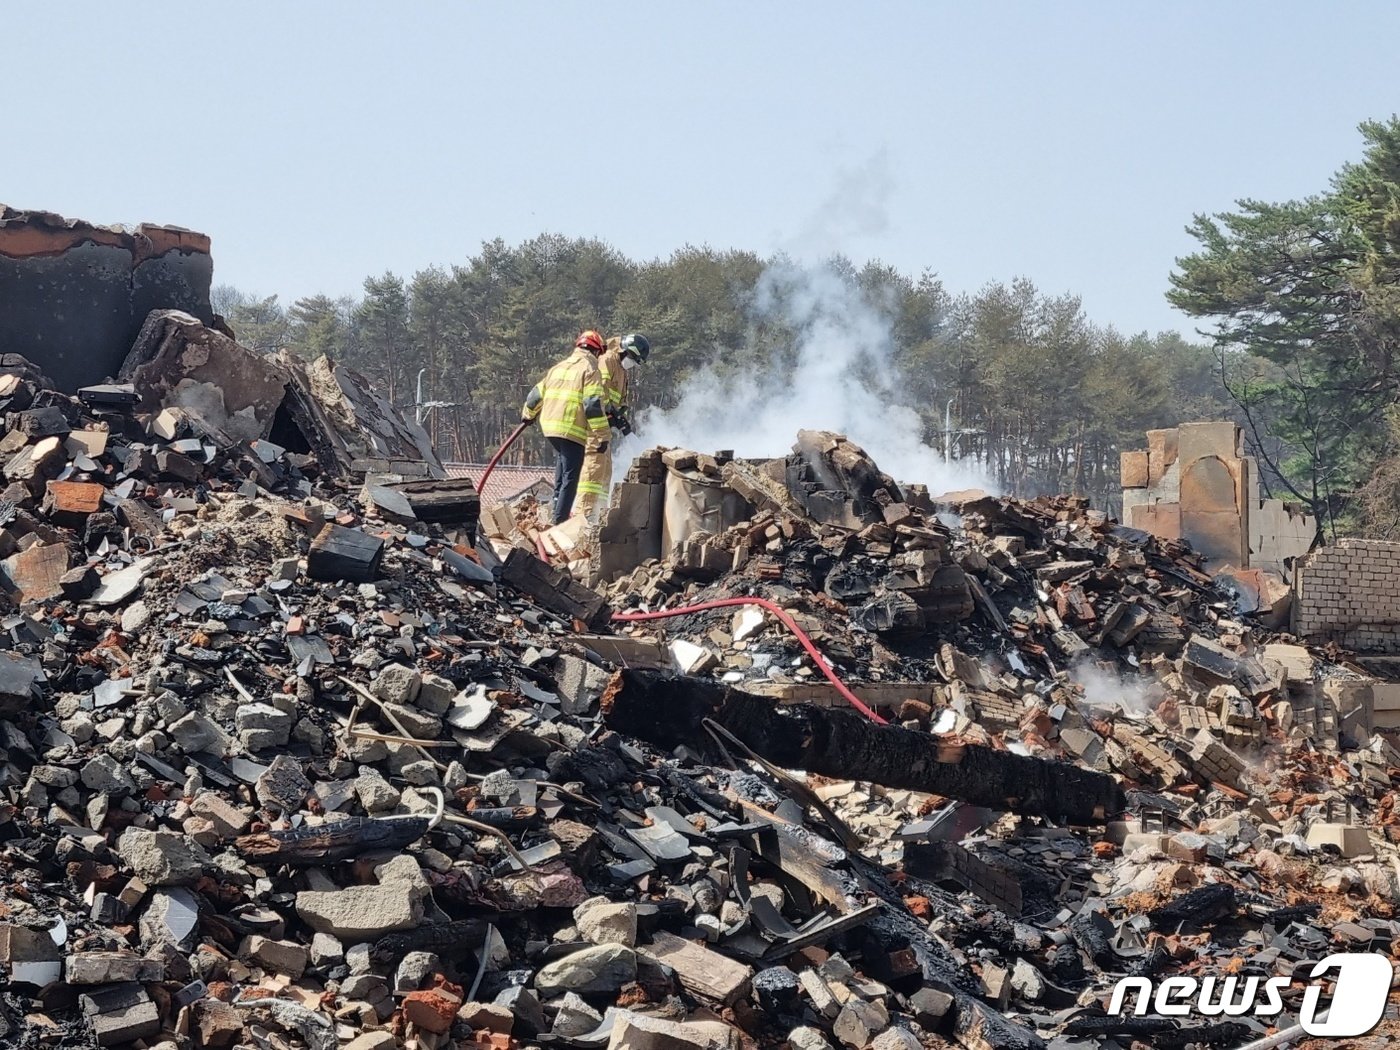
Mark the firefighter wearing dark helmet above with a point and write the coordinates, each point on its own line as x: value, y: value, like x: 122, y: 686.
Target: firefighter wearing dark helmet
x: 620, y: 357
x: 568, y: 402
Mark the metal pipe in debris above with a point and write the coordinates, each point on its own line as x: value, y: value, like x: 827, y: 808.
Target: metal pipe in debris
x: 1268, y: 1042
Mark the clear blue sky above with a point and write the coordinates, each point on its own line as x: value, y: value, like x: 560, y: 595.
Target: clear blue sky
x: 318, y: 143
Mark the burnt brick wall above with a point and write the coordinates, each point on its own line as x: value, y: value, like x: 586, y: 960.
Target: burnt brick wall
x: 1349, y: 593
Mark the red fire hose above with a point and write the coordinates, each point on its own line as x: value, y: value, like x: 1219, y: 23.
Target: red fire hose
x: 721, y: 603
x: 787, y: 621
x: 514, y: 436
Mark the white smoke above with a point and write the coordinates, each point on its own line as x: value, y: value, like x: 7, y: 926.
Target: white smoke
x: 842, y: 377
x: 1136, y: 696
x: 856, y: 212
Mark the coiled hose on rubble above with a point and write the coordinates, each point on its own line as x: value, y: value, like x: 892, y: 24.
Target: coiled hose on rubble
x: 786, y: 620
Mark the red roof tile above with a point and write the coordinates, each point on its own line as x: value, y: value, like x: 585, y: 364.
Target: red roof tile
x: 505, y: 482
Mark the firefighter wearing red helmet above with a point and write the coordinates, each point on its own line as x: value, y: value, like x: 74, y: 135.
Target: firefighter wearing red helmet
x: 569, y: 405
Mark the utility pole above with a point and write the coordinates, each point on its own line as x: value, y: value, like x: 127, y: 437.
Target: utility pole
x: 421, y: 408
x: 948, y: 431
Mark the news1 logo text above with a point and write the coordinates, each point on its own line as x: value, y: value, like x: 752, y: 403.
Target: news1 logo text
x: 1362, y: 986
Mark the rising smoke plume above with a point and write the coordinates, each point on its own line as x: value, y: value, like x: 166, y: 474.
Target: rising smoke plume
x: 1106, y: 688
x: 842, y: 376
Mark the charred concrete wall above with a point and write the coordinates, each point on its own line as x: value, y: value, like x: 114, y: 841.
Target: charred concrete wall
x: 73, y: 295
x: 1193, y: 483
x: 1349, y: 593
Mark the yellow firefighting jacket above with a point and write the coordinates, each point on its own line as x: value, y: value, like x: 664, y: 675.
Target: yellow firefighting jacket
x: 614, y: 376
x: 568, y: 401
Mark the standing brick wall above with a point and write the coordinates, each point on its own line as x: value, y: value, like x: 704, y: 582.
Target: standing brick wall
x: 1349, y: 593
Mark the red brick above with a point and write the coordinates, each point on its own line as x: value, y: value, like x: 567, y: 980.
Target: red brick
x: 431, y: 1010
x: 75, y: 497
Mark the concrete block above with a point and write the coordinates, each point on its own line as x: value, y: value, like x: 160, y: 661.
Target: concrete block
x: 1137, y: 840
x: 1348, y: 839
x: 1219, y: 439
x: 1134, y: 469
x: 1212, y: 517
x: 1162, y: 446
x: 580, y: 684
x: 1160, y: 519
x: 1385, y: 696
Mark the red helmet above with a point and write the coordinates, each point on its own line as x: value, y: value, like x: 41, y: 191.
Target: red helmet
x: 590, y: 340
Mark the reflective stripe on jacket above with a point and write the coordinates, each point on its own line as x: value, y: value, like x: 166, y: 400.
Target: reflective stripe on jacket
x: 569, y: 399
x: 614, y: 376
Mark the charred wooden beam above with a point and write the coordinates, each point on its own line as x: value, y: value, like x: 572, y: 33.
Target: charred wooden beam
x: 338, y: 840
x: 1200, y: 907
x: 1160, y: 1031
x: 451, y: 940
x: 507, y: 818
x: 979, y: 1026
x: 552, y: 589
x: 668, y: 710
x: 1093, y: 931
x: 452, y: 501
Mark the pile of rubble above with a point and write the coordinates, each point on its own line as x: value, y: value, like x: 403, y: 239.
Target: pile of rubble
x: 1251, y: 764
x: 290, y: 760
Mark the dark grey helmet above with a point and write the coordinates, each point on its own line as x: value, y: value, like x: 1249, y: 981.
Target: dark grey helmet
x: 636, y: 346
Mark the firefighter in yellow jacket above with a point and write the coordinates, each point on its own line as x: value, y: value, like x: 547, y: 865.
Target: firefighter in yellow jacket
x: 568, y: 402
x: 621, y: 356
